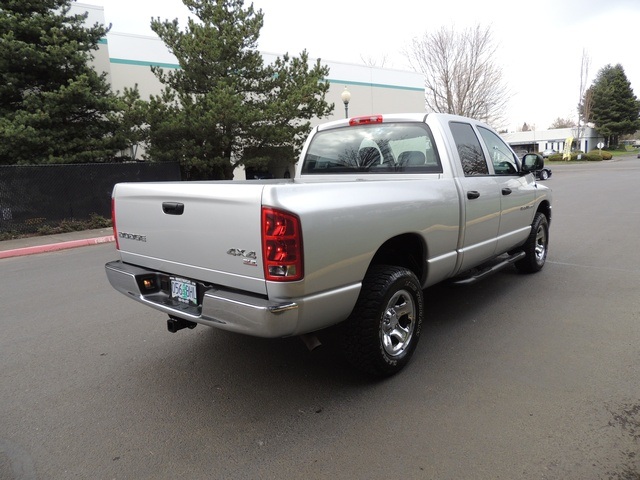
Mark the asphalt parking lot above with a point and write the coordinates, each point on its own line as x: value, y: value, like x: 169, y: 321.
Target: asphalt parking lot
x: 518, y: 377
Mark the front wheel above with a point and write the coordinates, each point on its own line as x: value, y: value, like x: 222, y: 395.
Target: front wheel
x: 544, y: 175
x: 382, y: 332
x: 536, y: 246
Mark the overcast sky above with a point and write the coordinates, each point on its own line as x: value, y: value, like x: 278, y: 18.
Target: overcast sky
x: 540, y: 42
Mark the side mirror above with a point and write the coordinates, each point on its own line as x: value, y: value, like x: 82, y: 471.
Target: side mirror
x: 532, y: 162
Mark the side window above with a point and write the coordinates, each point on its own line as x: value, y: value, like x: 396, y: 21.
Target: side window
x: 503, y: 159
x: 469, y: 149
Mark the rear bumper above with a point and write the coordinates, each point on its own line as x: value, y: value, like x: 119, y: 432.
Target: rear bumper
x: 229, y: 310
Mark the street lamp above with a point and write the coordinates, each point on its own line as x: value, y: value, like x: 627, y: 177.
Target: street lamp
x: 346, y: 96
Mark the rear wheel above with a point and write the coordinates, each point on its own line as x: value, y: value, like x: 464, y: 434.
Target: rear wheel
x: 544, y: 175
x: 382, y: 332
x: 536, y: 246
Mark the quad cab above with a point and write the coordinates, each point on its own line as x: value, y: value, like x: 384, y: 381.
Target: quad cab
x: 381, y: 207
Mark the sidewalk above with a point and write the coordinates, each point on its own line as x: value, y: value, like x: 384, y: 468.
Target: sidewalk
x: 51, y: 243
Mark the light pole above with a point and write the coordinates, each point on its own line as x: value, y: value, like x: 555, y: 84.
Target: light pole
x: 346, y: 96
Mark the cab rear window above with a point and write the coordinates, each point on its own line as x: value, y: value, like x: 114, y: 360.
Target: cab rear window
x: 377, y: 148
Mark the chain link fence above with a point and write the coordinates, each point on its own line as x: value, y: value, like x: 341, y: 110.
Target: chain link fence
x: 35, y: 196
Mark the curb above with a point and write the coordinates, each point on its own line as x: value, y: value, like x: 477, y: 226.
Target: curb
x: 53, y: 247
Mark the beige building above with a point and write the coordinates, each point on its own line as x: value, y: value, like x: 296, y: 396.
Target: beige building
x: 127, y: 58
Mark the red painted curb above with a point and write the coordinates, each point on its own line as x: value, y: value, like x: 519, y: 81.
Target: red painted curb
x: 17, y: 252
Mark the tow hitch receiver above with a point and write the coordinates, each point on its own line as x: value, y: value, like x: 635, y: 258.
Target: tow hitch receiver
x: 174, y: 324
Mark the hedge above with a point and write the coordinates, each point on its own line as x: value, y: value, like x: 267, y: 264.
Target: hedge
x: 592, y: 156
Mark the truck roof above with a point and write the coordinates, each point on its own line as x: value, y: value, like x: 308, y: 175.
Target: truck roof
x: 396, y: 117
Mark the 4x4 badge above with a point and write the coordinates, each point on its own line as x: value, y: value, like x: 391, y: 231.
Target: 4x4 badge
x: 248, y: 257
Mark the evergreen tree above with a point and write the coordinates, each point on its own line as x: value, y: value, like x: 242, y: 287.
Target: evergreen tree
x: 54, y: 108
x: 223, y: 105
x: 615, y: 110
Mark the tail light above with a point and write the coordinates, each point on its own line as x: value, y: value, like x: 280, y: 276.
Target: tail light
x: 113, y: 222
x: 281, y: 245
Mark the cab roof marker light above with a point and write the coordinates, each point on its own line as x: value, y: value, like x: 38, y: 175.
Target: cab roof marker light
x: 365, y: 120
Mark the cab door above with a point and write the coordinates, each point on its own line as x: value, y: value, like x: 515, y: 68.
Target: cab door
x: 517, y: 192
x: 481, y: 198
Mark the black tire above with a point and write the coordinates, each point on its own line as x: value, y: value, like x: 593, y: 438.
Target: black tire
x: 536, y: 246
x: 544, y: 175
x: 382, y: 332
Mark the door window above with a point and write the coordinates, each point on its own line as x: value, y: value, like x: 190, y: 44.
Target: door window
x: 471, y: 156
x: 503, y: 159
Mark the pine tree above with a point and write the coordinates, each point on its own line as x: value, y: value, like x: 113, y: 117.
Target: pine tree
x: 223, y: 105
x: 615, y: 110
x: 54, y: 108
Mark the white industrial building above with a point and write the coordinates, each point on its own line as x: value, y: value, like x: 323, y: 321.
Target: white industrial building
x: 585, y: 139
x: 127, y: 58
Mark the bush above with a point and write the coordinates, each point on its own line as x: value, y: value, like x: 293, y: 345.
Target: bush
x: 593, y: 156
x: 65, y: 226
x: 599, y: 155
x: 73, y: 225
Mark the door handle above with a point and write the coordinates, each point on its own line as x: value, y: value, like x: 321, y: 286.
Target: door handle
x: 506, y: 191
x: 173, y: 208
x: 472, y: 194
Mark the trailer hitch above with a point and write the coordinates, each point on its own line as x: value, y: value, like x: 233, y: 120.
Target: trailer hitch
x: 174, y: 324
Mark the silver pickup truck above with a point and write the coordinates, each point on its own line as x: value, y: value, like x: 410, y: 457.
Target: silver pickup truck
x: 380, y: 208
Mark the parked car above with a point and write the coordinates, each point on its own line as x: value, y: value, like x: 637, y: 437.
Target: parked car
x: 549, y: 152
x: 535, y: 163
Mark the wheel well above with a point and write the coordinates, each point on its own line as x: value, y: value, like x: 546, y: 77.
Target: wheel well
x: 545, y: 207
x: 407, y: 251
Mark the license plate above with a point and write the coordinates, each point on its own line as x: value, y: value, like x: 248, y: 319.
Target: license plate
x: 184, y: 290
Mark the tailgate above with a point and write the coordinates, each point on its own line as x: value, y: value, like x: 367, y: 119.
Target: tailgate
x: 207, y: 231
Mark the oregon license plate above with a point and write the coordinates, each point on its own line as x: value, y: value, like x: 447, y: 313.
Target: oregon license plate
x: 184, y: 290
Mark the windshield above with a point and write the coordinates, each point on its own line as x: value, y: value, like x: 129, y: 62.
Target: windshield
x: 379, y: 148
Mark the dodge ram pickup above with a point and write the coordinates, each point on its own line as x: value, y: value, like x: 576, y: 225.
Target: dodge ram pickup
x: 380, y: 208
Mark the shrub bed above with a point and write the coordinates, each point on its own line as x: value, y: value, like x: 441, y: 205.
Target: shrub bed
x: 592, y: 156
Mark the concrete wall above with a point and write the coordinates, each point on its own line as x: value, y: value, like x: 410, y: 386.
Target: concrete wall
x: 127, y: 59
